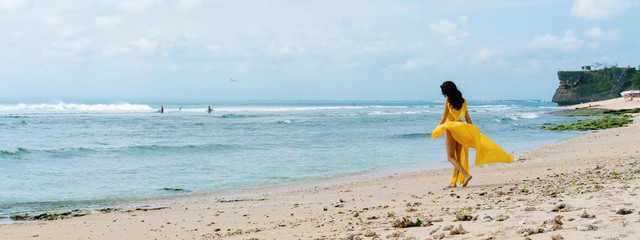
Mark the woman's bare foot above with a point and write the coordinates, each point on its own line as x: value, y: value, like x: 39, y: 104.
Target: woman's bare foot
x: 466, y: 181
x: 449, y: 186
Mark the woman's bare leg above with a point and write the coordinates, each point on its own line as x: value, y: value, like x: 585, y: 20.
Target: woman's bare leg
x: 458, y: 152
x: 454, y: 148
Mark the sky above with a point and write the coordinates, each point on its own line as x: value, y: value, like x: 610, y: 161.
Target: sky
x: 121, y: 50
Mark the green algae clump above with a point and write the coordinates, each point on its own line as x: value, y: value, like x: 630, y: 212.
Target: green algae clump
x: 622, y: 111
x: 593, y: 124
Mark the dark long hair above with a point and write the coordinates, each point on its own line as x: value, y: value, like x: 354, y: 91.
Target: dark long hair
x: 452, y: 93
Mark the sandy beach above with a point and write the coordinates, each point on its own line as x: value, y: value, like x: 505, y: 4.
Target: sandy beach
x: 616, y: 103
x: 582, y: 188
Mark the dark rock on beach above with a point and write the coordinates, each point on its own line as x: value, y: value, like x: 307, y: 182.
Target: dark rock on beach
x: 624, y: 211
x: 47, y: 216
x: 463, y: 217
x: 108, y: 210
x: 21, y: 217
x: 149, y: 209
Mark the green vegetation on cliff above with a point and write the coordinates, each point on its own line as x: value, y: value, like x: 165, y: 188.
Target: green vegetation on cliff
x: 594, y: 85
x: 636, y: 80
x: 595, y: 81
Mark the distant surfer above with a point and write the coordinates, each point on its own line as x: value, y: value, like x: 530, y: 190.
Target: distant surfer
x: 209, y: 110
x: 161, y: 109
x: 180, y: 109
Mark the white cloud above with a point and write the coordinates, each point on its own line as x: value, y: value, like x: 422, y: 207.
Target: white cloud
x: 463, y: 20
x: 241, y: 67
x: 142, y: 47
x: 286, y: 44
x: 567, y: 43
x: 593, y: 45
x: 68, y: 48
x: 133, y: 5
x: 68, y: 31
x: 492, y: 4
x: 145, y: 45
x: 378, y: 47
x: 345, y: 66
x: 214, y: 49
x: 416, y: 64
x: 108, y: 22
x: 597, y: 33
x: 485, y: 54
x: 12, y: 4
x: 77, y: 45
x: 444, y: 27
x: 4, y: 69
x: 19, y: 34
x: 176, y: 67
x: 189, y: 4
x: 115, y: 50
x: 51, y: 20
x: 599, y: 9
x: 453, y: 34
x: 534, y: 64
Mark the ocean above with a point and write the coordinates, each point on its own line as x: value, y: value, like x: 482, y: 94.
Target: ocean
x: 79, y: 155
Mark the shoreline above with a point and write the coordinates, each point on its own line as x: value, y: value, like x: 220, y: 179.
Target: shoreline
x: 227, y: 194
x: 87, y: 207
x: 203, y: 158
x: 339, y: 209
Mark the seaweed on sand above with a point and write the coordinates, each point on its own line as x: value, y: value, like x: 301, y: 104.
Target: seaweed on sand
x: 622, y: 111
x: 593, y: 124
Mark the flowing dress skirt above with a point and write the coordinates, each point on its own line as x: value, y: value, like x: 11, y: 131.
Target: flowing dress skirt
x: 469, y: 136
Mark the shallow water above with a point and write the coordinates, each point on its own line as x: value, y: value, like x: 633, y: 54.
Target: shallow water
x: 78, y: 155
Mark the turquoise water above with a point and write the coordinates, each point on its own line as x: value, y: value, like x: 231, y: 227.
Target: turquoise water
x: 75, y: 155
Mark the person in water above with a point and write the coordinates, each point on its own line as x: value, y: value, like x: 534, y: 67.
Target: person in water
x: 462, y: 135
x: 209, y: 110
x: 161, y: 109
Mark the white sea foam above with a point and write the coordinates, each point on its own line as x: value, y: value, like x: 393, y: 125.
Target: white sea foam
x: 73, y: 107
x: 529, y: 115
x: 11, y: 150
x: 490, y: 108
x: 523, y: 115
x: 393, y: 113
x: 284, y: 121
x: 296, y: 108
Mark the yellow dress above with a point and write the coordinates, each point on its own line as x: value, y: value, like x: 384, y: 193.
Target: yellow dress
x: 468, y: 136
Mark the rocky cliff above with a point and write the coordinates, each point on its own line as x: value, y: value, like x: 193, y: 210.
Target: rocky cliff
x: 585, y: 86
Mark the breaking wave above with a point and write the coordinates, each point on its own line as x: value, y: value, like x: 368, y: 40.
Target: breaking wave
x: 73, y: 107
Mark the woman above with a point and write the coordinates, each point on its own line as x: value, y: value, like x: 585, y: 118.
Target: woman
x: 462, y: 135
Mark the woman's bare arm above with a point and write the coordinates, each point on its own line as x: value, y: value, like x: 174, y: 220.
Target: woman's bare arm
x: 444, y: 114
x: 467, y: 117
